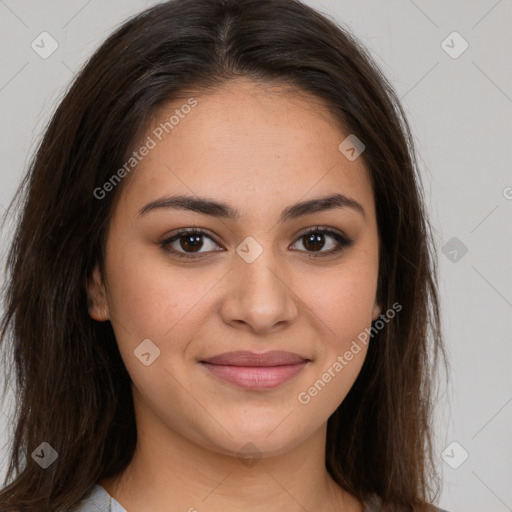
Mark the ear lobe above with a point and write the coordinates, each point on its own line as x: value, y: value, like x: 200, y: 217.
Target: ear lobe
x: 96, y: 296
x: 376, y: 310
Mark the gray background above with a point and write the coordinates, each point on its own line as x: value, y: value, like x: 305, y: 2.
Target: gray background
x: 460, y: 110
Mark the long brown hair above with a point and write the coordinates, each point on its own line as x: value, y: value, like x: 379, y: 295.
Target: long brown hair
x: 73, y: 390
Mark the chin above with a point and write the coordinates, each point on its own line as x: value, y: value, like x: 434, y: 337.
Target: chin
x: 263, y: 442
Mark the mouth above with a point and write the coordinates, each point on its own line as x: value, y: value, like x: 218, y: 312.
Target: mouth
x: 255, y: 371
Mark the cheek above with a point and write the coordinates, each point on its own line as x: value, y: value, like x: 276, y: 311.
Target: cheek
x: 345, y: 306
x: 149, y: 297
x: 344, y: 300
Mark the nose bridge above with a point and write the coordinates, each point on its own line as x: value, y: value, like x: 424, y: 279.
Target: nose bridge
x: 260, y: 277
x: 260, y: 295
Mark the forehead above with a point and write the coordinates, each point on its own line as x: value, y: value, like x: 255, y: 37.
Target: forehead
x: 246, y: 142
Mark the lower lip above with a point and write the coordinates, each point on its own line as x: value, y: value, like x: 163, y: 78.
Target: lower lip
x: 255, y: 377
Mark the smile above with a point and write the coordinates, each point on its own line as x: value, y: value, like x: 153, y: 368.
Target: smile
x: 255, y: 371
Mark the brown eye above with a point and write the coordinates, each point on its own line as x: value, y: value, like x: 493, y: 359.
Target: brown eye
x: 191, y: 242
x: 317, y: 239
x: 188, y: 244
x: 314, y: 241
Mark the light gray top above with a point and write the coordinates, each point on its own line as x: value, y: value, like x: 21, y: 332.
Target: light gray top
x: 98, y: 500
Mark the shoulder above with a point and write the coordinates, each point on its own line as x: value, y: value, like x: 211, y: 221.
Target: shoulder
x: 373, y: 504
x: 97, y: 500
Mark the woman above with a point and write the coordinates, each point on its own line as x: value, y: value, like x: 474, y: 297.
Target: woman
x: 222, y: 288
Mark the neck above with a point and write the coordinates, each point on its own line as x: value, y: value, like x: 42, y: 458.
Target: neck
x: 169, y: 470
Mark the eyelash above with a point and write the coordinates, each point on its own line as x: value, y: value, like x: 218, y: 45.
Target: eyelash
x: 343, y: 242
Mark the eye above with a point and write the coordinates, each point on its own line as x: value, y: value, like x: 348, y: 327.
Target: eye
x: 315, y: 240
x: 189, y: 242
x: 190, y: 239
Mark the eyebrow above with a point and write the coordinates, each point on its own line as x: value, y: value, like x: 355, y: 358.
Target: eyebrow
x: 214, y: 208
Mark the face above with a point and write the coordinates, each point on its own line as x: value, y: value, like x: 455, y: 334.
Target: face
x: 288, y: 289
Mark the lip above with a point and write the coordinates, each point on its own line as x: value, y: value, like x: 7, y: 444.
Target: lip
x: 255, y: 371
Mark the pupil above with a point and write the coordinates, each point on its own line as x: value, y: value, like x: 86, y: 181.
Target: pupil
x: 192, y: 242
x: 314, y: 241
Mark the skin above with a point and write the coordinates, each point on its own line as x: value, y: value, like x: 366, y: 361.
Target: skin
x: 260, y: 149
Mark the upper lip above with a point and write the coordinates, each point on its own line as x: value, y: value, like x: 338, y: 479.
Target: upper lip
x: 247, y: 358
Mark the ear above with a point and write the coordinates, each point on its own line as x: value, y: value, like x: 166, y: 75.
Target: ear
x: 378, y: 299
x: 376, y: 310
x: 97, y: 298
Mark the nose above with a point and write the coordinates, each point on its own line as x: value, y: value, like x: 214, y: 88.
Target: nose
x: 260, y: 296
